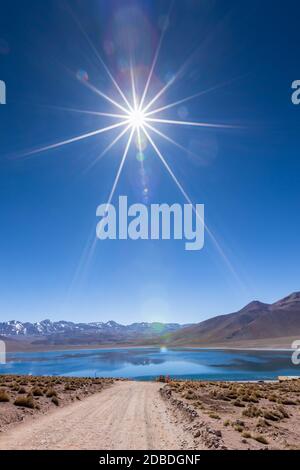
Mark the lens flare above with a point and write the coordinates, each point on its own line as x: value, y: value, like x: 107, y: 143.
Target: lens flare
x: 140, y: 119
x: 137, y: 118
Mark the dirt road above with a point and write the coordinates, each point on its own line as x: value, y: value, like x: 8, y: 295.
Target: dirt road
x: 127, y: 415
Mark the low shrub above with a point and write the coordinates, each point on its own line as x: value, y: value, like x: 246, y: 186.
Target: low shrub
x: 163, y: 378
x: 51, y: 393
x: 271, y: 415
x: 37, y: 392
x: 252, y: 411
x: 189, y: 395
x: 27, y: 402
x: 288, y: 401
x: 238, y: 403
x: 239, y: 428
x: 4, y: 397
x: 263, y: 423
x: 260, y: 438
x: 272, y: 398
x: 55, y: 400
x: 283, y: 411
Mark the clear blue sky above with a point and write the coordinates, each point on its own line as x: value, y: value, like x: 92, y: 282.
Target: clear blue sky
x: 247, y: 178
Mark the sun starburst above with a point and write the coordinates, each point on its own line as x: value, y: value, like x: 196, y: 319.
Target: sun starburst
x: 138, y: 119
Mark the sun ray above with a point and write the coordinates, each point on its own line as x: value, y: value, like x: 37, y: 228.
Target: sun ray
x: 191, y: 123
x: 155, y: 59
x: 139, y: 119
x: 90, y: 246
x: 73, y: 139
x: 191, y: 97
x: 120, y: 167
x: 166, y: 137
x: 175, y: 103
x: 170, y: 81
x: 133, y: 87
x: 109, y: 147
x: 167, y: 166
x: 189, y: 201
x: 167, y: 85
x: 83, y: 111
x: 90, y: 251
x: 106, y: 97
x: 139, y: 140
x: 158, y: 95
x: 97, y: 54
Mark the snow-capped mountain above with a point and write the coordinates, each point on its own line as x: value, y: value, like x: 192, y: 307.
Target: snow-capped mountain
x: 47, y: 328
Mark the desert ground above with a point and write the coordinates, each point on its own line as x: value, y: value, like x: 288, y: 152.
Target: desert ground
x: 26, y: 397
x: 126, y: 415
x: 68, y: 413
x: 236, y: 415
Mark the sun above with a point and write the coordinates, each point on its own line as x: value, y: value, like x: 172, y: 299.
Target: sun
x: 137, y: 118
x: 141, y: 120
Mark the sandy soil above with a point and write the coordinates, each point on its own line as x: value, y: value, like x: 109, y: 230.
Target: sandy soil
x: 25, y: 398
x: 239, y: 415
x: 127, y: 415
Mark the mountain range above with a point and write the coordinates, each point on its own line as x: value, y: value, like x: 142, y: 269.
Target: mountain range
x: 256, y: 324
x: 47, y: 332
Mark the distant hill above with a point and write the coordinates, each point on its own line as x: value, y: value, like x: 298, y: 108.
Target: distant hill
x: 255, y: 322
x: 256, y: 325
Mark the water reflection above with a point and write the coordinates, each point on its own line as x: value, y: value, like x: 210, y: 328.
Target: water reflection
x: 147, y: 363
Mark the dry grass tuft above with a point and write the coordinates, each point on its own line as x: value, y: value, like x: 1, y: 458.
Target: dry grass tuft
x: 37, y: 392
x: 260, y: 438
x: 55, y: 400
x: 4, y: 397
x: 26, y: 402
x: 51, y: 393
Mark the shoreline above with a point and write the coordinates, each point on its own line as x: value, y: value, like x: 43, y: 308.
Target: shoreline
x: 154, y: 346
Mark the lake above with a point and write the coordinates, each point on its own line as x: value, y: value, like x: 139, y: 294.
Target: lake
x: 148, y: 363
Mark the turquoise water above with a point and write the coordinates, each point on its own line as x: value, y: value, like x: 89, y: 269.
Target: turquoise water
x: 147, y: 363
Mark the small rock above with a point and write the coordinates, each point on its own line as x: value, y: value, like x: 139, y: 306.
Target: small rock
x: 197, y: 433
